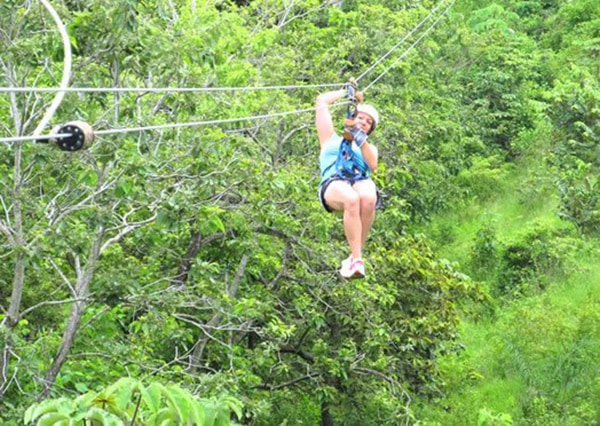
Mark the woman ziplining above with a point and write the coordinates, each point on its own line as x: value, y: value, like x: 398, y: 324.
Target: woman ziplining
x: 346, y: 163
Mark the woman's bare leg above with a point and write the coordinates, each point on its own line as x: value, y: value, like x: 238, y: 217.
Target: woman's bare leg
x: 340, y: 196
x: 367, y: 193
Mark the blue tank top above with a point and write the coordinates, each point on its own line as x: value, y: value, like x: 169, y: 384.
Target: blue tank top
x: 329, y: 155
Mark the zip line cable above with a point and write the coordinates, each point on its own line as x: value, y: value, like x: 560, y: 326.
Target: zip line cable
x: 410, y: 47
x: 179, y: 89
x: 107, y: 132
x: 210, y: 89
x: 220, y: 89
x: 163, y: 126
x: 200, y: 123
x: 419, y: 25
x: 160, y: 89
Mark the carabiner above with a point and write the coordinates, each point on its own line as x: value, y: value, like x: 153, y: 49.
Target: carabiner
x: 353, y: 96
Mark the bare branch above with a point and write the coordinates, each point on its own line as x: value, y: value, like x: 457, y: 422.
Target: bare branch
x: 7, y: 232
x: 232, y: 291
x: 63, y: 276
x: 95, y: 317
x: 284, y: 261
x: 290, y: 383
x: 283, y: 141
x: 127, y: 228
x: 204, y: 328
x: 302, y: 354
x: 49, y: 302
x: 284, y: 21
x: 84, y: 203
x: 393, y: 383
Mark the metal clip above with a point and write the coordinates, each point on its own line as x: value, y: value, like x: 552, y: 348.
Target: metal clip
x: 354, y: 96
x: 352, y: 92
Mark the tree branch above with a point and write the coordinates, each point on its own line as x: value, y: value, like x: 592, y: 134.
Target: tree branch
x: 125, y: 229
x: 393, y: 383
x: 302, y: 354
x: 49, y: 302
x: 289, y: 383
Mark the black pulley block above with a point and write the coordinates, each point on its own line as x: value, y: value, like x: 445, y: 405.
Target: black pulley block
x: 78, y: 135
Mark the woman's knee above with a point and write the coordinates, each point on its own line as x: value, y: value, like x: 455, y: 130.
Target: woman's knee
x: 368, y: 201
x: 339, y: 197
x: 352, y: 202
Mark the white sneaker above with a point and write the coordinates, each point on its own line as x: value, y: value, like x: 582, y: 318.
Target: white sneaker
x: 346, y: 264
x: 356, y: 270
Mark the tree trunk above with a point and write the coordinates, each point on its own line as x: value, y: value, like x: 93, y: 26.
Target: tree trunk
x: 77, y: 310
x: 326, y: 417
x: 12, y: 316
x: 185, y: 265
x: 214, y: 321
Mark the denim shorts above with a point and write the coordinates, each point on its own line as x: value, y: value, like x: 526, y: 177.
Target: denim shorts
x: 351, y: 181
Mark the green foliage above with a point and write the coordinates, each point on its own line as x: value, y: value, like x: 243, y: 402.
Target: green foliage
x: 525, y: 265
x: 497, y: 87
x: 487, y: 418
x: 576, y: 114
x: 522, y: 264
x: 577, y: 117
x: 128, y: 401
x: 483, y: 179
x: 557, y: 371
x: 216, y: 269
x: 485, y: 254
x: 579, y: 198
x: 493, y: 18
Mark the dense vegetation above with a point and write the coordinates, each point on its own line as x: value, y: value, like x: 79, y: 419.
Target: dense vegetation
x: 188, y: 273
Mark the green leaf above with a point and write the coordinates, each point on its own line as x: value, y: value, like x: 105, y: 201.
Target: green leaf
x: 45, y: 407
x: 28, y: 416
x: 151, y: 396
x: 222, y: 416
x: 210, y: 411
x: 104, y: 417
x: 179, y: 400
x: 81, y: 387
x: 234, y: 404
x: 84, y: 401
x: 197, y: 413
x: 164, y: 416
x: 121, y: 391
x: 216, y: 224
x: 53, y: 419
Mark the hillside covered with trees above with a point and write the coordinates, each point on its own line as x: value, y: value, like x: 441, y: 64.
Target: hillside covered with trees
x: 181, y: 270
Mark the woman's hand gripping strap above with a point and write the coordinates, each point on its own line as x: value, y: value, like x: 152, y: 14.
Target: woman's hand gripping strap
x: 359, y: 136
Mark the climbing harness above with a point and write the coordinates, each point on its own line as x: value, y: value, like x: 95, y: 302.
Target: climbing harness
x: 348, y: 165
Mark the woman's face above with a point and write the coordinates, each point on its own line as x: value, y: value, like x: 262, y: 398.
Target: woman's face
x: 364, y: 122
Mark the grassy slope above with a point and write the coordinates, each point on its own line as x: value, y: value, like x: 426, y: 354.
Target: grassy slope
x: 514, y: 359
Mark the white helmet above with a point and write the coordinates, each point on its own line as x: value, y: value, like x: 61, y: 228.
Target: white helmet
x: 370, y: 110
